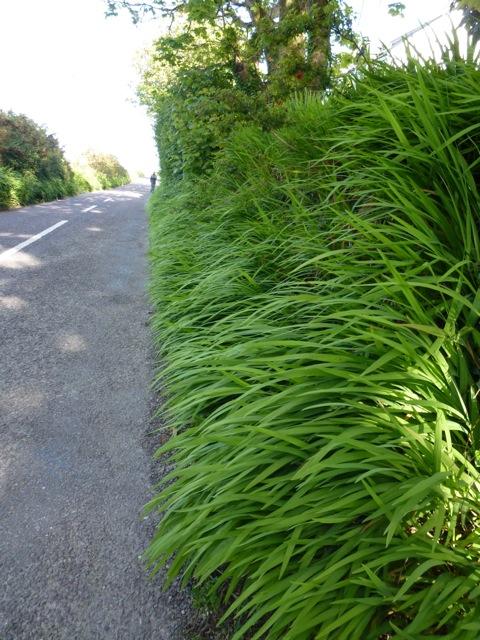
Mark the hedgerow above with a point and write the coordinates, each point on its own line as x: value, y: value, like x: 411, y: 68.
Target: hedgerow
x: 101, y: 171
x: 24, y: 188
x: 33, y: 167
x: 317, y: 315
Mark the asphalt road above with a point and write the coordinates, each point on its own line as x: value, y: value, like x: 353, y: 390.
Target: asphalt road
x: 74, y: 405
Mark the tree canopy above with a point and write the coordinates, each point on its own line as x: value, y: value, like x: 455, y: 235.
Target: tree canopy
x: 288, y: 40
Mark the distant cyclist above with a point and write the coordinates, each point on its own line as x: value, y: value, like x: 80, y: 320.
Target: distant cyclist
x: 153, y: 181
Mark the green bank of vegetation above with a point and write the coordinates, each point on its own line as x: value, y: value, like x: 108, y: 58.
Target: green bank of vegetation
x: 102, y: 171
x: 317, y: 313
x: 33, y: 167
x: 315, y: 249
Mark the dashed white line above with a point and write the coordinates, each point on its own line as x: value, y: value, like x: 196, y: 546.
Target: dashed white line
x: 25, y: 243
x: 89, y: 208
x: 109, y: 200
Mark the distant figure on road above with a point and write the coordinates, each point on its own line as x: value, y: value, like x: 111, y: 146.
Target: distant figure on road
x: 153, y: 181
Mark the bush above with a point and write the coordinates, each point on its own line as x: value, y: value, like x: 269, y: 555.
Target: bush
x: 101, y: 171
x: 107, y: 169
x: 195, y: 116
x: 25, y: 146
x: 30, y: 190
x: 317, y: 312
x: 80, y: 183
x: 32, y: 164
x: 25, y: 189
x: 9, y: 184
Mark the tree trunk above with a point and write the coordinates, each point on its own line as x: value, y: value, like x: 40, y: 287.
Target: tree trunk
x: 319, y: 49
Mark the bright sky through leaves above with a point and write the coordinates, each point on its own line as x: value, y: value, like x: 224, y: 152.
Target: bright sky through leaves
x: 72, y: 70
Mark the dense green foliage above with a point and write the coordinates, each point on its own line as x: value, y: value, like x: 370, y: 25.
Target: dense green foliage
x: 291, y: 39
x: 216, y: 69
x: 196, y: 99
x: 195, y: 117
x: 225, y: 64
x: 317, y: 314
x: 103, y: 170
x: 34, y: 169
x: 32, y: 164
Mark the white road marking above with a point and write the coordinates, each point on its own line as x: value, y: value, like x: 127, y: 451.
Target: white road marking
x: 109, y: 200
x: 89, y: 208
x: 22, y: 245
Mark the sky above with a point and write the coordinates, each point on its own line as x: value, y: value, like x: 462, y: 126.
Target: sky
x: 67, y: 67
x: 374, y: 21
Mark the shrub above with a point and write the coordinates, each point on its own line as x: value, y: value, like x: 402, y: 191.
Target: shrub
x: 195, y: 116
x: 317, y: 312
x: 32, y: 164
x: 30, y: 190
x: 9, y: 184
x: 80, y: 183
x: 27, y: 147
x: 107, y: 169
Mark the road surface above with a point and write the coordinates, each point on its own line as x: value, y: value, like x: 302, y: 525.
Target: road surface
x: 74, y: 379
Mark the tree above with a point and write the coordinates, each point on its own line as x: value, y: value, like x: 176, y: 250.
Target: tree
x: 286, y: 41
x: 197, y: 95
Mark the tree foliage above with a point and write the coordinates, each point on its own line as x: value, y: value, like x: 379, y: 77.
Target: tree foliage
x: 396, y: 8
x: 197, y: 97
x: 289, y: 39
